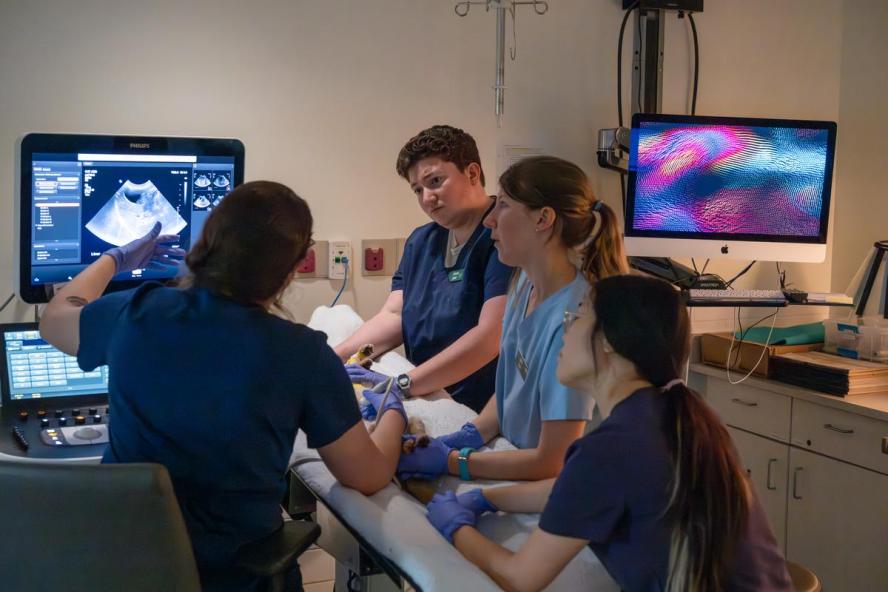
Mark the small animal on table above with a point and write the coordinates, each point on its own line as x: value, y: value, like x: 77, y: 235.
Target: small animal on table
x: 418, y: 488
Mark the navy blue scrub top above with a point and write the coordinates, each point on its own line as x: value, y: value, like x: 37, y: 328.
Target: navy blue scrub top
x: 441, y: 304
x: 214, y: 391
x: 613, y: 491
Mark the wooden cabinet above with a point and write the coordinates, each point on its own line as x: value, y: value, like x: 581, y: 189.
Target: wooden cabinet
x: 837, y: 522
x: 820, y: 469
x: 750, y: 409
x: 767, y: 464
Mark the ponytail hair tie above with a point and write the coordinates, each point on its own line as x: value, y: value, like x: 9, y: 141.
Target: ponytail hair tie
x: 672, y: 383
x: 596, y: 225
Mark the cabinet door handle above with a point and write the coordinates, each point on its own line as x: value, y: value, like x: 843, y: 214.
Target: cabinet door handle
x: 744, y: 403
x: 771, y: 462
x: 795, y: 483
x: 830, y: 426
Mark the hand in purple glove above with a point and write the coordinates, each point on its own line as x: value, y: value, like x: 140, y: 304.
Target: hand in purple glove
x: 424, y: 463
x: 368, y: 378
x: 466, y: 436
x: 447, y: 515
x: 475, y: 501
x: 379, y: 403
x: 152, y: 251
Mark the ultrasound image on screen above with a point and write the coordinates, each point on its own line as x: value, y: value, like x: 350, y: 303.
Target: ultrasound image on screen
x: 121, y: 203
x: 82, y: 195
x: 132, y: 212
x: 729, y: 179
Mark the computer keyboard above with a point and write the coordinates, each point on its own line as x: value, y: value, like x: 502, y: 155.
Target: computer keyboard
x: 701, y: 297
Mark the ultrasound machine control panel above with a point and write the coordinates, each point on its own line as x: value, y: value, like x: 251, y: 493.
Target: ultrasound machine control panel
x: 52, y: 409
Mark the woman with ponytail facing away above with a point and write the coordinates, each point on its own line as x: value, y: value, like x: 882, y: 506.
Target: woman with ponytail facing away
x: 657, y: 491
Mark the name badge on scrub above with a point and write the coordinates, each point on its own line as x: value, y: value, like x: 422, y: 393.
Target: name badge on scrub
x: 521, y: 364
x: 456, y: 275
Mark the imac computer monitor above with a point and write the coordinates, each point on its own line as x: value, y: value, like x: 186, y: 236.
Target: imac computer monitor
x: 80, y: 195
x: 728, y: 187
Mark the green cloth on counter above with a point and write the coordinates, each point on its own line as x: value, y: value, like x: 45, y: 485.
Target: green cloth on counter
x: 796, y: 335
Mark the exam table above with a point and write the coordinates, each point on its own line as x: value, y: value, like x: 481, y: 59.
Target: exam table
x: 391, y: 526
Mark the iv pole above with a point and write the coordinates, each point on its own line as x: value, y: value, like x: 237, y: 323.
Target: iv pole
x: 501, y: 7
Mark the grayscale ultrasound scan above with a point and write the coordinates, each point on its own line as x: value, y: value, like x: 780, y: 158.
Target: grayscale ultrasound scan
x: 131, y: 213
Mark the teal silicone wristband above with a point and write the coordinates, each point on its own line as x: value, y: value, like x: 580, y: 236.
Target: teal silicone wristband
x: 462, y: 460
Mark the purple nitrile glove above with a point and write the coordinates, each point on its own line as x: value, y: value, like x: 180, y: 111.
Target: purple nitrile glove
x: 376, y: 399
x: 475, y: 501
x: 447, y: 515
x: 467, y: 436
x: 368, y: 378
x: 152, y: 251
x: 424, y: 463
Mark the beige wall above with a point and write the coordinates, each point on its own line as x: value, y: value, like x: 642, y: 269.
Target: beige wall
x: 323, y: 93
x: 862, y: 155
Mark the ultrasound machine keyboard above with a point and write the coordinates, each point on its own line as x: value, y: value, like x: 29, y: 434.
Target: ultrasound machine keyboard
x: 51, y: 408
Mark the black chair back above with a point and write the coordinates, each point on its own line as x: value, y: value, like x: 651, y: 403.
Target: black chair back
x: 92, y: 527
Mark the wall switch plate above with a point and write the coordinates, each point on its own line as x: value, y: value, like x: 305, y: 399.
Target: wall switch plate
x: 378, y: 256
x: 339, y: 251
x: 314, y: 265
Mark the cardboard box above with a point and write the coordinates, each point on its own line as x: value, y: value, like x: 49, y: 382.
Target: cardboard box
x: 714, y: 350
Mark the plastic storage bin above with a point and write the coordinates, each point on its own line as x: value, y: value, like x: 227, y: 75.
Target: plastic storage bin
x: 866, y: 339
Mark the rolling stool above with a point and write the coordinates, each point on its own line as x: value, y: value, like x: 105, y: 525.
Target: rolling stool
x: 803, y: 579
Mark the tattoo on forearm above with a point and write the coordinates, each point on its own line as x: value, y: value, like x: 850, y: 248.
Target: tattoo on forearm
x: 77, y: 300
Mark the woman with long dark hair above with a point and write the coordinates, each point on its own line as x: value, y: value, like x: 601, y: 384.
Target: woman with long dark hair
x: 206, y: 381
x: 657, y: 491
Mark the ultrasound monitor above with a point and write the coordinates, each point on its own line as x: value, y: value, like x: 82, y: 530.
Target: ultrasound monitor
x: 725, y: 187
x: 81, y: 195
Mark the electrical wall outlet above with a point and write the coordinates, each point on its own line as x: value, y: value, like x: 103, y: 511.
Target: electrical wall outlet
x: 314, y: 264
x: 374, y: 259
x: 339, y: 254
x: 308, y: 264
x: 379, y: 256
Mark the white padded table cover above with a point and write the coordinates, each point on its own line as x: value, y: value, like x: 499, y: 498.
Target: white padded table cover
x: 395, y: 523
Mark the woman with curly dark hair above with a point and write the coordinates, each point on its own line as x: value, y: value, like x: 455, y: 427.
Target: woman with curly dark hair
x: 448, y: 294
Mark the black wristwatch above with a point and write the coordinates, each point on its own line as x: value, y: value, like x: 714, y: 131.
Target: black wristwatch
x: 404, y: 383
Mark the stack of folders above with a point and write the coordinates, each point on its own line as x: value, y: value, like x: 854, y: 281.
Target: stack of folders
x: 829, y: 298
x: 829, y: 373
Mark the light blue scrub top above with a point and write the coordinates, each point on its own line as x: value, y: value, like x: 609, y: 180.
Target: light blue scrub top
x: 524, y: 402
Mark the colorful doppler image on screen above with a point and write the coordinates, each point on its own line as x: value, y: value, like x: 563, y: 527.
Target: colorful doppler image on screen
x: 727, y: 179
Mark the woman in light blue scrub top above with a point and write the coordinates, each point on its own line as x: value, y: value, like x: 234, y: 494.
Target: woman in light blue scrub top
x: 526, y: 394
x: 545, y: 218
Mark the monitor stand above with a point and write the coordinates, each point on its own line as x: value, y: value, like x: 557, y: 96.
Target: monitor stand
x: 676, y: 274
